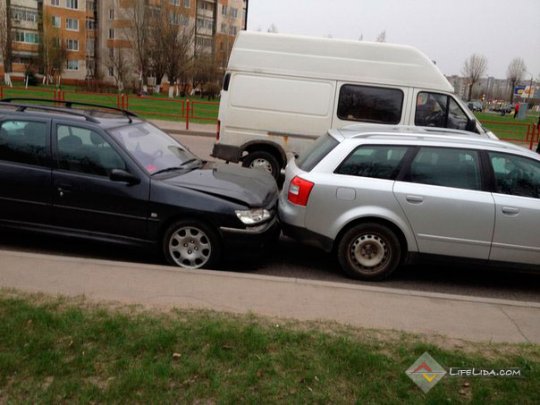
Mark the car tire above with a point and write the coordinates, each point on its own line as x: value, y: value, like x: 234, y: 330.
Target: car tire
x: 191, y: 244
x: 369, y: 251
x: 262, y: 160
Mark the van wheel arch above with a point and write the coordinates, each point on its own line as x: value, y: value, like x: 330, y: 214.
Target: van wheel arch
x: 276, y: 152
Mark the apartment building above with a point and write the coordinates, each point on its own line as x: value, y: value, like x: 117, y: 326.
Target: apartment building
x: 98, y: 34
x: 22, y: 20
x: 231, y: 17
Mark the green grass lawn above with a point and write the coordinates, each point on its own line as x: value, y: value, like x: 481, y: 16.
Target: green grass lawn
x: 154, y: 106
x: 506, y: 126
x: 66, y: 351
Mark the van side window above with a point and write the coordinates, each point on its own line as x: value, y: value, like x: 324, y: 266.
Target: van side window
x: 378, y: 105
x: 439, y: 110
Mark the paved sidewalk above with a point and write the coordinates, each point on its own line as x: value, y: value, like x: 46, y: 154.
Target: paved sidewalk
x: 475, y: 319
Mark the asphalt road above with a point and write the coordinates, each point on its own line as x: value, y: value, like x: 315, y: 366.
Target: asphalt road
x: 290, y: 259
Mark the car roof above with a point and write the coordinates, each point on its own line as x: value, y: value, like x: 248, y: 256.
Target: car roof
x: 426, y: 135
x: 105, y: 117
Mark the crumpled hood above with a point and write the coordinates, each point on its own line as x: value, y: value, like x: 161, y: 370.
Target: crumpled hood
x: 252, y: 187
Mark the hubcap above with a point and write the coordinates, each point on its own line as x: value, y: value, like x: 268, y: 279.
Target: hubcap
x: 369, y: 251
x: 190, y: 247
x: 261, y: 164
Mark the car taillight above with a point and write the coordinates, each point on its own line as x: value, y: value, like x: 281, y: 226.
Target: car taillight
x: 299, y: 191
x: 218, y: 129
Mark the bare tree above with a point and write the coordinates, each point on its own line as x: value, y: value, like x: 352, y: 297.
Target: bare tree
x: 52, y: 50
x: 381, y: 37
x: 473, y: 69
x: 514, y: 73
x: 120, y: 66
x: 5, y: 37
x: 172, y: 44
x: 138, y: 34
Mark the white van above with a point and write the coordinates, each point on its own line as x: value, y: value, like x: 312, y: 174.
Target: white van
x: 280, y: 92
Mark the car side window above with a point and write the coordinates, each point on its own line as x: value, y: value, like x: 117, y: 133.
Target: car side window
x: 515, y: 175
x: 379, y: 105
x: 24, y: 142
x: 83, y: 150
x: 380, y: 162
x: 447, y: 167
x: 439, y: 110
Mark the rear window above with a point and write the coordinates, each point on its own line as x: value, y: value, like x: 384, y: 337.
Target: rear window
x: 379, y: 105
x: 322, y: 147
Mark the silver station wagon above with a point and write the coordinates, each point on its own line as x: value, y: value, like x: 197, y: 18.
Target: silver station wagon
x: 379, y: 198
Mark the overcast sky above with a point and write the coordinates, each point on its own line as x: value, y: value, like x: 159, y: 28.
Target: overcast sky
x: 448, y: 31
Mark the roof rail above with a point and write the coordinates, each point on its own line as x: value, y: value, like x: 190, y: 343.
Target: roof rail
x: 68, y: 104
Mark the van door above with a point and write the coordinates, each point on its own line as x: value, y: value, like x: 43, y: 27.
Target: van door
x: 440, y: 110
x: 369, y: 104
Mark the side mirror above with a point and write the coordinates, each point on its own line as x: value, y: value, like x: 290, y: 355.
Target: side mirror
x: 471, y: 125
x: 123, y: 176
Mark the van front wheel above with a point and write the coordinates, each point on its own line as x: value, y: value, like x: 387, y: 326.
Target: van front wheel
x: 262, y: 160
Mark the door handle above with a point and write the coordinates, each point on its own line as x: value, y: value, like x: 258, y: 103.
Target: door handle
x: 64, y: 188
x: 415, y: 199
x: 510, y: 210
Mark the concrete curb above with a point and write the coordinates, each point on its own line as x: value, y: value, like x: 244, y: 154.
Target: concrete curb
x: 277, y: 279
x: 372, y: 307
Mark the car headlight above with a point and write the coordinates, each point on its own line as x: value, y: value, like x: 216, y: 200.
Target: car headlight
x: 254, y: 216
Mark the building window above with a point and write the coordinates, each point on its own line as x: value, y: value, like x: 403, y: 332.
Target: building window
x: 224, y: 28
x: 223, y: 10
x: 21, y: 14
x: 55, y: 3
x: 56, y: 21
x: 72, y: 24
x: 90, y: 24
x: 72, y: 4
x: 234, y: 12
x: 232, y: 31
x: 28, y: 37
x: 72, y: 45
x: 111, y: 14
x: 111, y: 71
x: 187, y: 3
x: 203, y: 5
x: 175, y: 2
x: 72, y: 65
x: 111, y: 33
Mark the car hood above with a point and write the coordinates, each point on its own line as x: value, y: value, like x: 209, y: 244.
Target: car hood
x: 251, y: 187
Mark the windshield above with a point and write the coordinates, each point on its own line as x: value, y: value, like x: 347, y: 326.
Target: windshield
x: 152, y: 148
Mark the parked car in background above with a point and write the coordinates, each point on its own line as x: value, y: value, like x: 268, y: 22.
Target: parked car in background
x: 382, y: 197
x: 475, y: 106
x: 110, y: 176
